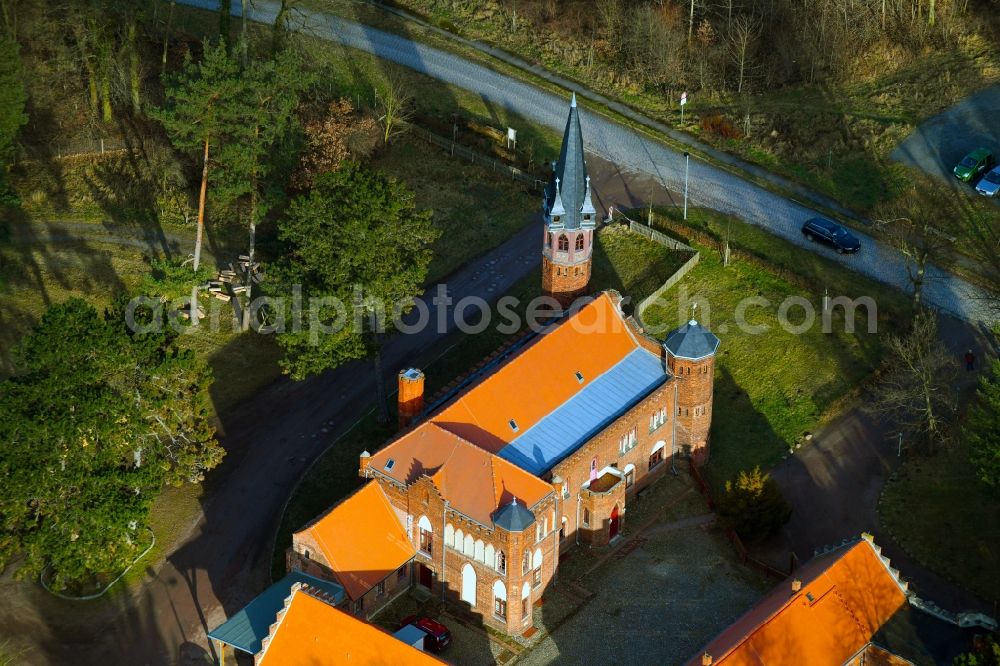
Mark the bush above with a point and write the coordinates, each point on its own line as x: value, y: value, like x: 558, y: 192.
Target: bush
x: 987, y: 654
x: 721, y: 126
x: 753, y: 506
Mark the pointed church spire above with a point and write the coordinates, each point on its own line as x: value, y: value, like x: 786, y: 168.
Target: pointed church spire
x: 569, y: 181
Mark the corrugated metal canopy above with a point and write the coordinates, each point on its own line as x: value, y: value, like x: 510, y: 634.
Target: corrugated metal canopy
x: 582, y: 416
x: 247, y: 628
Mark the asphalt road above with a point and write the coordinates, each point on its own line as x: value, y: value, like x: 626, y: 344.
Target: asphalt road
x: 709, y: 186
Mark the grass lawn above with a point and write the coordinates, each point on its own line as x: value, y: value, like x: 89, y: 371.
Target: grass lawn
x: 772, y: 386
x: 959, y: 519
x: 475, y: 208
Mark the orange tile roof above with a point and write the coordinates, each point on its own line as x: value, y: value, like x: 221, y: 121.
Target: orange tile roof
x: 362, y: 539
x: 462, y: 472
x: 313, y: 633
x: 541, y: 377
x: 846, y: 596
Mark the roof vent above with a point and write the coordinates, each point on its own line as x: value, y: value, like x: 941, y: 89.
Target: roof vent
x: 388, y: 465
x: 513, y: 425
x: 796, y: 585
x: 706, y: 659
x: 579, y: 376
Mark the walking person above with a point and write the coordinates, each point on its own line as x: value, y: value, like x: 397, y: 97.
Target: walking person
x: 970, y: 361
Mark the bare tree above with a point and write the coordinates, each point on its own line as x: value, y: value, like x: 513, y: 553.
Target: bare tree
x: 393, y: 104
x: 742, y: 41
x: 916, y: 386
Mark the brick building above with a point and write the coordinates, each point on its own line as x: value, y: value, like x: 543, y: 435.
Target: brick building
x: 838, y: 609
x: 539, y: 452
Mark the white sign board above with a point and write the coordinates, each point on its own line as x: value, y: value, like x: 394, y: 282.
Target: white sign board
x: 684, y: 98
x: 511, y: 137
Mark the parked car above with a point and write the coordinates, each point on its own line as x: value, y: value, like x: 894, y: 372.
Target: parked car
x: 973, y: 165
x: 438, y: 635
x: 990, y: 183
x: 829, y: 232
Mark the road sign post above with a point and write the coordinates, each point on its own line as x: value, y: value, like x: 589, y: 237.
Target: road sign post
x: 684, y: 100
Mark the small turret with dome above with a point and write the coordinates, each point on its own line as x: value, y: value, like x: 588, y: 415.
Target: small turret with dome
x: 690, y: 351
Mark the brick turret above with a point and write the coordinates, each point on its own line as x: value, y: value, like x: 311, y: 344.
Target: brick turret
x: 691, y: 360
x: 570, y: 219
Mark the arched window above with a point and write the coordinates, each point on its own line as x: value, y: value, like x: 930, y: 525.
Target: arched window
x: 449, y: 535
x: 562, y: 528
x: 548, y: 240
x: 459, y: 540
x: 426, y: 535
x: 629, y: 475
x: 469, y: 546
x: 526, y: 563
x: 501, y: 562
x: 656, y: 456
x: 525, y: 603
x: 586, y: 517
x: 579, y: 242
x: 500, y: 600
x: 469, y: 584
x: 563, y: 243
x: 480, y: 552
x: 536, y: 565
x: 490, y: 556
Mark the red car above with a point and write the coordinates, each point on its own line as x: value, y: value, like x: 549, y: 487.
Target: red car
x: 438, y: 635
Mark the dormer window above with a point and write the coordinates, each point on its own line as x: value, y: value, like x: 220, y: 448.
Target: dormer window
x: 513, y: 425
x: 555, y: 218
x: 388, y: 465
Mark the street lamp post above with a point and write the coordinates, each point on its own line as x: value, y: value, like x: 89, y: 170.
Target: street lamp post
x: 687, y: 160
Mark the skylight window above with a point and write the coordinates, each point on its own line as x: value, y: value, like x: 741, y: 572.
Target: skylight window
x: 513, y: 425
x: 579, y: 376
x: 809, y: 596
x: 388, y: 465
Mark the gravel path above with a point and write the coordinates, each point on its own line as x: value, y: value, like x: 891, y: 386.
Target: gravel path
x: 941, y: 141
x: 709, y: 186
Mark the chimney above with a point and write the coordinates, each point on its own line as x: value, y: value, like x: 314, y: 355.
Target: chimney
x: 366, y: 460
x: 796, y: 585
x: 706, y: 659
x: 411, y: 396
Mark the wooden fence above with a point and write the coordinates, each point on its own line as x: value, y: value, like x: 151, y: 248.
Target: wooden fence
x: 734, y: 538
x: 459, y: 151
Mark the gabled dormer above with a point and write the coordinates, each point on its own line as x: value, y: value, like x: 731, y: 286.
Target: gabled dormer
x: 588, y: 216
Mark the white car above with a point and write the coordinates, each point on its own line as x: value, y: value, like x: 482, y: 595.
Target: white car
x: 990, y: 183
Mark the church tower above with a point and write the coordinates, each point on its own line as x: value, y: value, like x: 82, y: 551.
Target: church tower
x: 691, y: 361
x: 570, y: 219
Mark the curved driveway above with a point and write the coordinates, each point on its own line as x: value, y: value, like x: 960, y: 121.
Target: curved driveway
x: 630, y: 150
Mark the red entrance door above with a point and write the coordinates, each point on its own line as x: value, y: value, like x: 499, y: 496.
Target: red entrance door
x: 424, y: 575
x: 615, y: 523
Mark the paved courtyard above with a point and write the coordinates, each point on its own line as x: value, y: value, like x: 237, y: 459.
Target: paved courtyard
x: 658, y: 599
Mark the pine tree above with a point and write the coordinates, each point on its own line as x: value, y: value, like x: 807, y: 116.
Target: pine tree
x: 98, y: 421
x: 358, y: 238
x: 983, y: 428
x: 753, y: 506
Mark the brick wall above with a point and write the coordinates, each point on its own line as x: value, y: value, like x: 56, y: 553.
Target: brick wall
x: 564, y: 283
x: 694, y: 417
x: 574, y: 470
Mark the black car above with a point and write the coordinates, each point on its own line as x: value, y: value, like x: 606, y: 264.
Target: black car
x: 831, y: 233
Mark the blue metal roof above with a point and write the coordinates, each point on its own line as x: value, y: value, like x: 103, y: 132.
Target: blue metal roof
x: 604, y: 399
x: 691, y: 341
x: 245, y: 630
x: 411, y: 635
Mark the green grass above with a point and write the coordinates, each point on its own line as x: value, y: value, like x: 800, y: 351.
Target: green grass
x: 959, y: 519
x: 773, y: 387
x: 631, y: 264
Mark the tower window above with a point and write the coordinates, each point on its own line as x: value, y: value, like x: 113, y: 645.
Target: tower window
x: 548, y: 240
x: 563, y: 243
x: 579, y: 242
